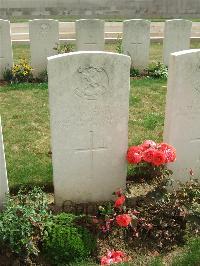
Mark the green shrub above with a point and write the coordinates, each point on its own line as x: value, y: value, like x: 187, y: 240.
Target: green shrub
x: 7, y: 75
x: 119, y: 45
x: 22, y: 222
x: 134, y: 72
x: 157, y: 70
x: 156, y: 262
x: 21, y: 72
x: 65, y: 241
x: 42, y: 77
x: 63, y: 48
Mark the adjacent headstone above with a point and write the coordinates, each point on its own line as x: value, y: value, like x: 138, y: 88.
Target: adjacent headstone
x: 182, y: 127
x: 89, y: 99
x: 3, y: 173
x: 136, y: 41
x: 44, y: 35
x: 6, y: 55
x: 90, y: 35
x: 176, y: 37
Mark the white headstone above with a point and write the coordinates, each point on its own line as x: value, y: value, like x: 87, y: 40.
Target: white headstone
x: 176, y: 37
x: 3, y: 173
x: 6, y: 55
x: 44, y: 35
x: 136, y: 41
x: 182, y: 118
x: 90, y: 35
x: 89, y: 98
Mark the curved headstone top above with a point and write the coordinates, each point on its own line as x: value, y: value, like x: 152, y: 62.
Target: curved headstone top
x: 176, y: 37
x: 89, y: 53
x: 139, y: 20
x: 136, y: 41
x: 90, y: 35
x: 182, y: 116
x: 44, y: 36
x: 89, y: 102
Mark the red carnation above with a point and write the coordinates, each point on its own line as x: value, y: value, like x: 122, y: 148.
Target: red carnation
x: 169, y: 151
x: 148, y: 144
x: 123, y: 220
x: 159, y: 158
x: 134, y: 155
x: 113, y: 257
x: 164, y: 146
x: 148, y: 155
x: 120, y: 201
x: 170, y: 156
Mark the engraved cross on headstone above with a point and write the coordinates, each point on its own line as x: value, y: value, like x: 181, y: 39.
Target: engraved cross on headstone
x: 90, y: 43
x: 136, y: 44
x: 91, y: 150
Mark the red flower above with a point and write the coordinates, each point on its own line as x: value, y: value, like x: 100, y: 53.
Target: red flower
x: 106, y: 261
x: 148, y: 155
x: 159, y: 158
x: 148, y: 144
x: 120, y: 201
x: 169, y: 151
x: 134, y: 155
x: 123, y: 220
x: 113, y: 257
x: 170, y: 156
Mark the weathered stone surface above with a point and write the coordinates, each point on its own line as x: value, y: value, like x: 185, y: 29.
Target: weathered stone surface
x: 44, y: 34
x: 6, y: 55
x: 90, y: 35
x: 136, y: 41
x: 89, y: 98
x: 176, y: 37
x: 182, y: 127
x: 3, y: 173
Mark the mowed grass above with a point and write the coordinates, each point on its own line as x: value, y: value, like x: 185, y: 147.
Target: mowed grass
x: 23, y: 50
x: 25, y: 117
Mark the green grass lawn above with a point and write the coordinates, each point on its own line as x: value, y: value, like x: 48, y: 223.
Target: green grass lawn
x: 23, y: 51
x: 25, y: 117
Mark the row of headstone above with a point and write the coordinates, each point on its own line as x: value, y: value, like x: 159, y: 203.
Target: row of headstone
x: 44, y: 35
x: 4, y: 190
x: 89, y: 95
x: 136, y: 39
x: 89, y: 102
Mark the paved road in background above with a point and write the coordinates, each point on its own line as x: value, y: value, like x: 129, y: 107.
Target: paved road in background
x: 20, y: 31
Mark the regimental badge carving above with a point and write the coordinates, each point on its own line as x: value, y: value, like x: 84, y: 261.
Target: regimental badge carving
x: 94, y: 82
x: 44, y: 28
